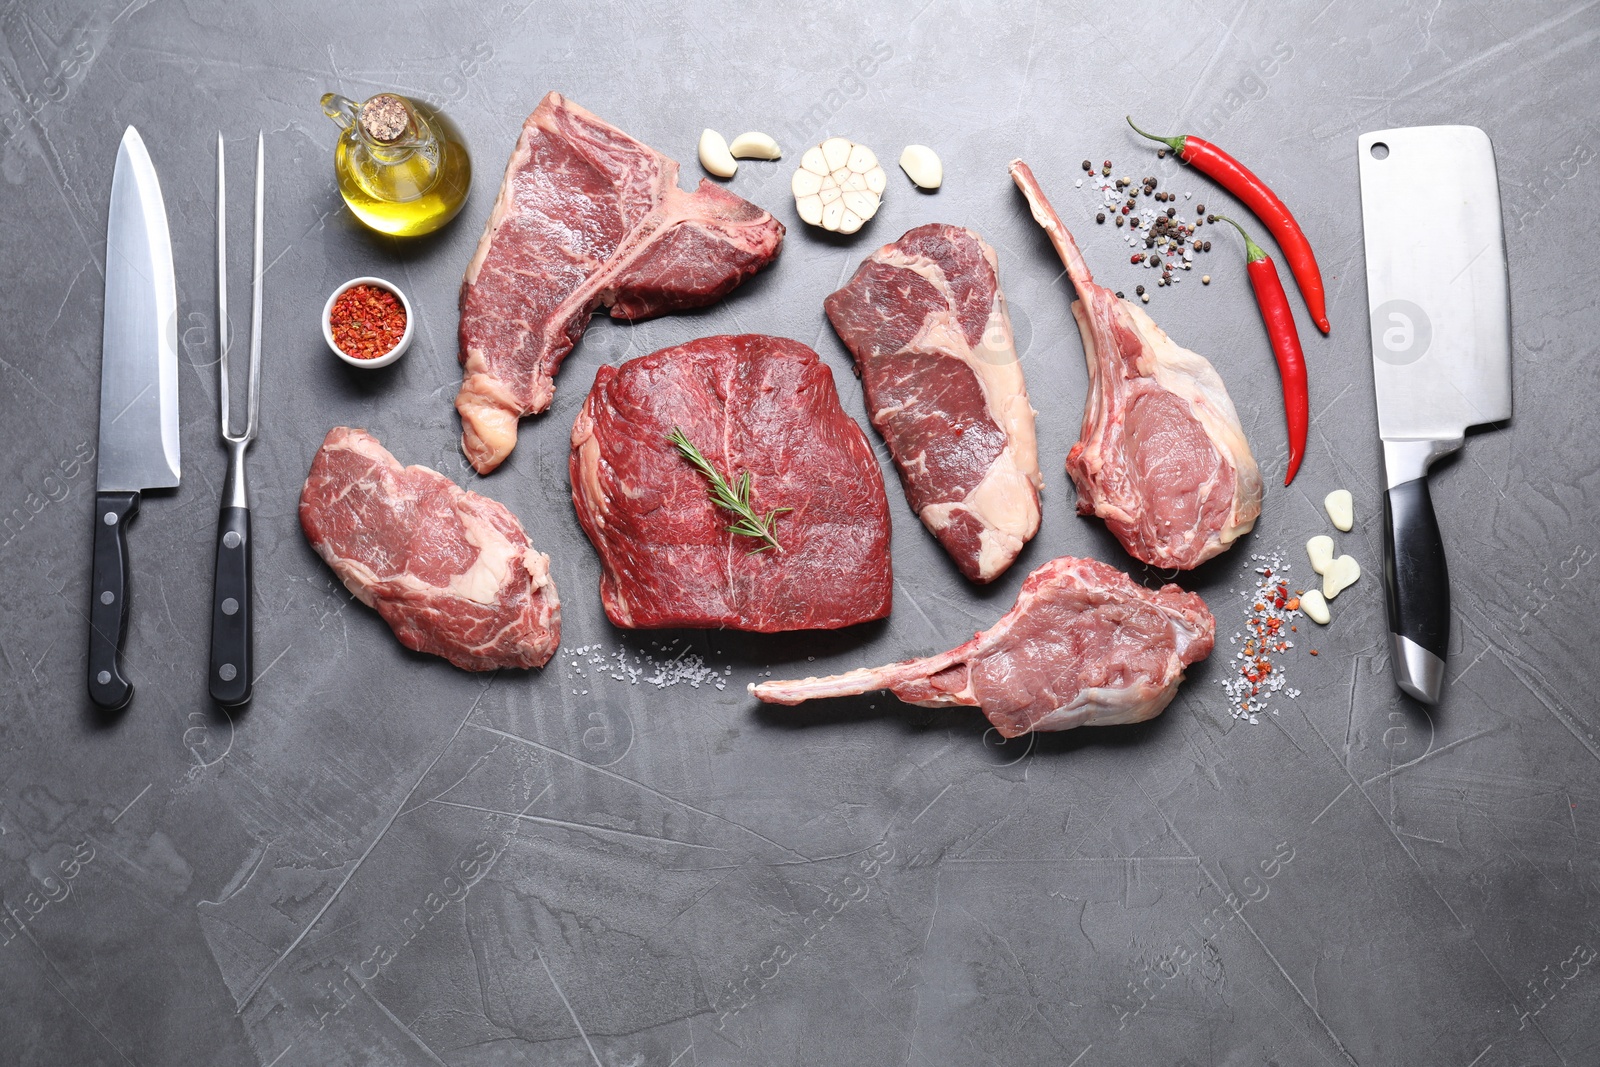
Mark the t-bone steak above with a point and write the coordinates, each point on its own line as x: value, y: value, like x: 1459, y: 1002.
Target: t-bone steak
x: 1083, y: 646
x: 756, y: 404
x: 1161, y: 456
x: 587, y: 217
x: 450, y: 571
x: 927, y: 323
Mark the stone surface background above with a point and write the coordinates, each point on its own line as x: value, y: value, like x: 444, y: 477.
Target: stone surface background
x: 389, y: 861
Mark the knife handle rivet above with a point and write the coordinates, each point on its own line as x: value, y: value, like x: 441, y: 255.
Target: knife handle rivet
x: 104, y: 677
x: 231, y: 539
x: 111, y: 518
x: 230, y: 606
x: 227, y: 672
x: 107, y: 597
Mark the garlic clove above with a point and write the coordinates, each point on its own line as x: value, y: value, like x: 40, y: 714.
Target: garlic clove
x: 829, y: 194
x: 877, y: 180
x: 1341, y: 508
x: 849, y: 222
x: 1340, y: 575
x: 1320, y: 549
x: 832, y: 214
x: 922, y: 166
x: 836, y: 151
x: 1315, y: 605
x: 714, y: 155
x: 805, y: 182
x: 814, y: 161
x: 754, y: 145
x: 861, y: 203
x: 862, y: 158
x: 810, y: 209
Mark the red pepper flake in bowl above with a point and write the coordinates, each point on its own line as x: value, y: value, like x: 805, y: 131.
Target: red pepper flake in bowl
x: 367, y: 321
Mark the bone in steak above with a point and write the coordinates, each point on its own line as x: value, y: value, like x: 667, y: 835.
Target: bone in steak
x: 451, y: 572
x: 765, y: 405
x: 1082, y: 646
x: 587, y: 217
x: 1161, y: 456
x: 927, y: 323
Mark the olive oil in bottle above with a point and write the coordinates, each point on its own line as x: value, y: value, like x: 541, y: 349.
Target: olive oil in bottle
x: 402, y: 166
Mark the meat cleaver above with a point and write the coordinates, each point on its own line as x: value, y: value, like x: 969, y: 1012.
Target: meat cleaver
x: 1441, y: 354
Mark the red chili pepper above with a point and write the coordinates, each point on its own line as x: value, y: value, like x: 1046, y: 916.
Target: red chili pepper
x: 1237, y: 179
x: 1279, y: 320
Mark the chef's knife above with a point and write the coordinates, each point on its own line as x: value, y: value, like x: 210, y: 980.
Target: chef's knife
x: 1441, y: 353
x: 138, y: 400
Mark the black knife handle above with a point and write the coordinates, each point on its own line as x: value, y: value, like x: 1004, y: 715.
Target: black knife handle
x: 1416, y: 577
x: 108, y: 599
x: 232, y: 637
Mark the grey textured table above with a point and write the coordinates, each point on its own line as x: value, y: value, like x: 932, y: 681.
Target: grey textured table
x: 390, y: 861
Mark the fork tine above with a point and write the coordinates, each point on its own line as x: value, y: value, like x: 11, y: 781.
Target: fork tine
x: 255, y: 296
x: 222, y: 282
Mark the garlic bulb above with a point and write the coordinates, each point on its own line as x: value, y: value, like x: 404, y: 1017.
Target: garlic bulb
x: 839, y: 185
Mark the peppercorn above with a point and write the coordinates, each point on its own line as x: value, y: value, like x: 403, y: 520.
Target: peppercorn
x: 1205, y: 279
x: 1087, y: 165
x: 1119, y: 220
x: 1161, y: 153
x: 1155, y: 261
x: 1100, y: 216
x: 1199, y: 209
x: 1119, y: 297
x: 1208, y: 245
x: 1172, y: 212
x: 1105, y: 171
x: 1211, y: 218
x: 1139, y: 289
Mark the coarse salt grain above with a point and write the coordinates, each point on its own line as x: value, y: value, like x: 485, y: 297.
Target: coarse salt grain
x: 1256, y: 671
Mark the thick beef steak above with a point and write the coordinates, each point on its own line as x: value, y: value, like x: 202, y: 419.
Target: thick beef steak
x: 762, y: 405
x: 1161, y: 456
x: 927, y: 324
x: 587, y: 217
x: 451, y: 572
x: 1082, y: 646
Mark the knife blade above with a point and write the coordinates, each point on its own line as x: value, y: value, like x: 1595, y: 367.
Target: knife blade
x: 1438, y: 295
x: 138, y: 447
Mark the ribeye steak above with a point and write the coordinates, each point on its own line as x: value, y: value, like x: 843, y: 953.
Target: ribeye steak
x: 927, y: 323
x: 763, y: 405
x: 450, y: 571
x: 1082, y: 646
x: 1161, y: 456
x: 587, y: 217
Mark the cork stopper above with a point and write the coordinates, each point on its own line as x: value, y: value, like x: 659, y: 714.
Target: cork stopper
x: 384, y: 118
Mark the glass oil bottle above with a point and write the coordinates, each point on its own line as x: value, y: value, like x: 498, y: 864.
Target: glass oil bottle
x: 402, y: 166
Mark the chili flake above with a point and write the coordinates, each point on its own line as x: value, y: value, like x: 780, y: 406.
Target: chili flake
x: 1269, y: 608
x: 367, y: 321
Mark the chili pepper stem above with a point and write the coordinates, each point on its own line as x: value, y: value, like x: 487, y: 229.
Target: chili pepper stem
x: 1252, y: 251
x: 1174, y: 143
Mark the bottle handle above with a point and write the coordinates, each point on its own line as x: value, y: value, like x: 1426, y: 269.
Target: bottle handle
x: 341, y: 109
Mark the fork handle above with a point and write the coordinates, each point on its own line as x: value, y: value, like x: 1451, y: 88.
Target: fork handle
x: 232, y: 598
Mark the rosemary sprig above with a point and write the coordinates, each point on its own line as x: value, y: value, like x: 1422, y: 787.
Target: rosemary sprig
x: 733, y: 498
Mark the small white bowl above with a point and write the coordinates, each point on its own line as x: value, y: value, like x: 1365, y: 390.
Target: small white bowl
x: 388, y: 357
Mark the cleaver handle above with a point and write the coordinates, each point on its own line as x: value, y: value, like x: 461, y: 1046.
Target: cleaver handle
x: 1416, y: 576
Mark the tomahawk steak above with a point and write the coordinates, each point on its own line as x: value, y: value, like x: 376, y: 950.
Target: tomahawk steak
x: 752, y: 404
x: 927, y: 324
x: 587, y: 217
x: 450, y: 571
x: 1161, y: 456
x: 1082, y: 646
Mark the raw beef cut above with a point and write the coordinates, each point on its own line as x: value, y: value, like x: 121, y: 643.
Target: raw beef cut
x: 587, y: 217
x: 451, y: 572
x: 1082, y: 646
x: 927, y: 323
x: 1161, y: 456
x: 762, y: 405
